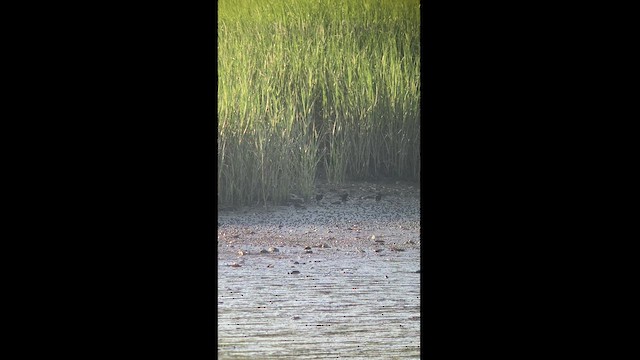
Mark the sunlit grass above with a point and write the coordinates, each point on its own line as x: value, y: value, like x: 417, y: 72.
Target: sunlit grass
x: 310, y: 89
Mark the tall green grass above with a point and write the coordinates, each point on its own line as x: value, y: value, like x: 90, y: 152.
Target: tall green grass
x: 312, y: 89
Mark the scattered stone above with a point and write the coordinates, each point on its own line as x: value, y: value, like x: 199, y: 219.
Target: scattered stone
x: 307, y: 247
x: 378, y: 250
x: 295, y: 272
x: 308, y: 252
x: 395, y: 248
x: 263, y: 251
x: 235, y: 265
x: 243, y: 252
x: 273, y: 249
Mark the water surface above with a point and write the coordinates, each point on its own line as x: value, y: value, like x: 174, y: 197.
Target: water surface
x: 343, y: 303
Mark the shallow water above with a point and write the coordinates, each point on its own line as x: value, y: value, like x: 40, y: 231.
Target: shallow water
x: 357, y: 297
x: 344, y: 303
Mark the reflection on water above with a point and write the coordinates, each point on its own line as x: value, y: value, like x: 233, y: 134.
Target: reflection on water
x: 342, y: 304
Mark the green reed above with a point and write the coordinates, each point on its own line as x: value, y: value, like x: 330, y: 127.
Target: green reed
x: 311, y: 88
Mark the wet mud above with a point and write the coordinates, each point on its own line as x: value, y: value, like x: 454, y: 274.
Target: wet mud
x: 331, y: 279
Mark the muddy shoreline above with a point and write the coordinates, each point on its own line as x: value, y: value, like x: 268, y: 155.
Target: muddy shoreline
x: 360, y: 223
x: 324, y: 278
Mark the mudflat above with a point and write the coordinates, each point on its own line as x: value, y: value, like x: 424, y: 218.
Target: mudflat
x: 373, y: 216
x: 322, y: 278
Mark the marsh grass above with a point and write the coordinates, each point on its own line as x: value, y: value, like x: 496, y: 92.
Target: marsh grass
x: 309, y: 89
